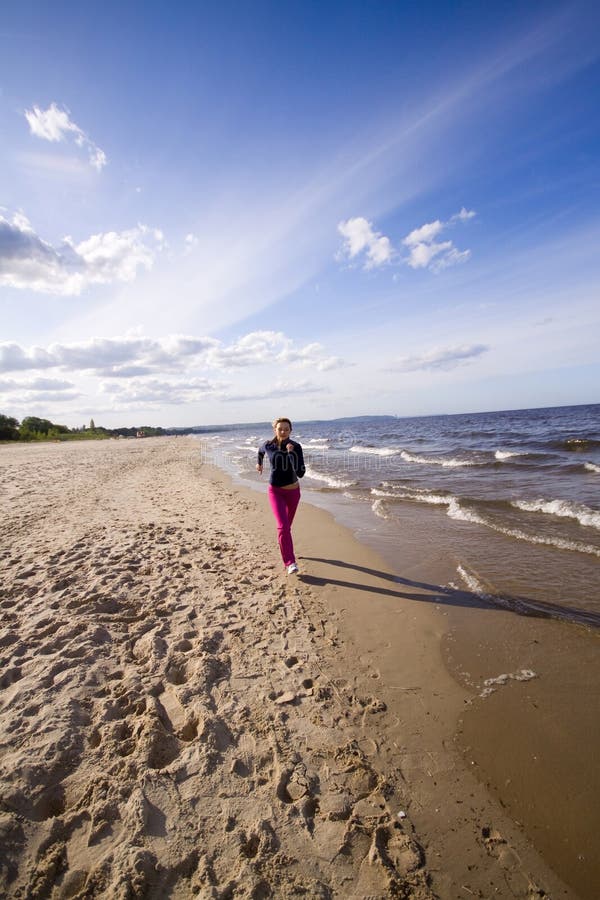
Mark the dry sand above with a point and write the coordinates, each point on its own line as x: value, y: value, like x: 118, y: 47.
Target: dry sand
x: 180, y: 719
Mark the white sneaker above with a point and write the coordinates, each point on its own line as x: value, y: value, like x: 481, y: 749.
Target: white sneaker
x: 292, y: 569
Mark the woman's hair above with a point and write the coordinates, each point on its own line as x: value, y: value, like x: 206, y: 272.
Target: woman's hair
x: 281, y: 419
x: 275, y: 424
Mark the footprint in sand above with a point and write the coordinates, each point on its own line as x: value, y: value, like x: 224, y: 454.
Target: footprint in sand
x: 517, y: 878
x: 244, y: 762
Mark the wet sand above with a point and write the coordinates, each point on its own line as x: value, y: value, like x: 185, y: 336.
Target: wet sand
x: 178, y: 718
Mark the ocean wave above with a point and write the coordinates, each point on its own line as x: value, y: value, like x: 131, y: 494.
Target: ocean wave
x: 522, y: 606
x: 563, y: 508
x: 414, y: 497
x: 576, y: 445
x: 507, y: 454
x: 318, y: 442
x: 380, y: 509
x: 464, y: 514
x: 474, y: 585
x: 459, y: 511
x: 376, y: 451
x: 592, y: 467
x: 438, y: 460
x: 330, y: 480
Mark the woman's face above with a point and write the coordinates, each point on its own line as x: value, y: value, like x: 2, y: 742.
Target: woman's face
x: 282, y: 431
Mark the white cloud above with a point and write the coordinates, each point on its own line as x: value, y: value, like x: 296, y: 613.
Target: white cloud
x: 425, y: 234
x: 150, y: 392
x: 359, y: 236
x: 443, y: 358
x: 269, y: 347
x: 55, y: 125
x: 8, y: 385
x: 451, y: 257
x: 427, y: 253
x: 464, y: 215
x: 422, y: 254
x: 28, y: 261
x: 131, y: 357
x: 32, y: 391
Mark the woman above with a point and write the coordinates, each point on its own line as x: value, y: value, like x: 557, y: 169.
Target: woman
x: 287, y: 466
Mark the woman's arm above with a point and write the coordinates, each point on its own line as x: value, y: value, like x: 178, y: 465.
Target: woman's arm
x: 295, y: 451
x: 261, y: 456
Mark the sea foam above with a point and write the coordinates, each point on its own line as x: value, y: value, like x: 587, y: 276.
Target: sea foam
x: 437, y: 460
x: 376, y: 451
x: 329, y: 480
x: 414, y: 497
x: 456, y: 511
x: 462, y: 513
x: 380, y: 509
x: 563, y: 508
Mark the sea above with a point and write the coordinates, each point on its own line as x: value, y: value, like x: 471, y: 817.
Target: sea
x: 508, y: 502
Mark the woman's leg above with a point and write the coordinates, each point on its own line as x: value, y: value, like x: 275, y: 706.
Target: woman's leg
x: 284, y: 509
x: 292, y: 500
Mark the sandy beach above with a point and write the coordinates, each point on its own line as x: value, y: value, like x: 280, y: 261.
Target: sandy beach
x: 178, y: 718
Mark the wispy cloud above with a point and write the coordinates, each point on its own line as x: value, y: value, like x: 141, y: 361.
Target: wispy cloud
x: 190, y: 242
x: 28, y: 261
x: 153, y: 391
x: 37, y: 390
x: 35, y: 384
x: 133, y: 356
x: 439, y: 358
x: 278, y: 391
x: 55, y: 125
x: 264, y: 347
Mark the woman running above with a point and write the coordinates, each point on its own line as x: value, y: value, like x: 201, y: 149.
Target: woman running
x: 287, y: 466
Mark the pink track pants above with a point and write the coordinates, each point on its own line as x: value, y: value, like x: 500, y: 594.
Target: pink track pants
x: 284, y: 504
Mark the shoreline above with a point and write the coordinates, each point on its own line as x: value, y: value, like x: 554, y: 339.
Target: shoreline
x: 528, y: 726
x: 260, y: 714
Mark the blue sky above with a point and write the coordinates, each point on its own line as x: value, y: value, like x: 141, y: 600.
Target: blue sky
x: 224, y: 212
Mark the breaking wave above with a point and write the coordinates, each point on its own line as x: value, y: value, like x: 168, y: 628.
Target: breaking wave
x: 501, y: 455
x: 456, y: 511
x: 414, y: 496
x: 462, y: 513
x: 330, y: 480
x: 449, y: 463
x: 562, y: 508
x: 376, y: 451
x: 576, y: 445
x: 380, y: 509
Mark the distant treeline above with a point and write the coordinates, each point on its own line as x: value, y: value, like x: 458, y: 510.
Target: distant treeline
x: 35, y: 429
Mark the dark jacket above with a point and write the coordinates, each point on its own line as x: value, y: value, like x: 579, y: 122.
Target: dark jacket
x: 286, y: 465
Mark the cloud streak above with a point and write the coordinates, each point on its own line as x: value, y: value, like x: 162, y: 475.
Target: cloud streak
x: 439, y: 359
x: 55, y: 125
